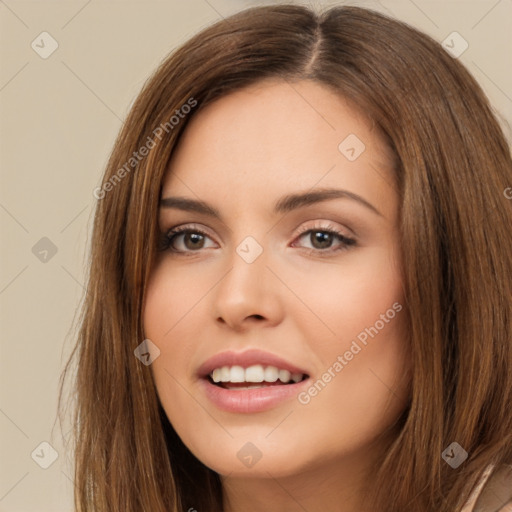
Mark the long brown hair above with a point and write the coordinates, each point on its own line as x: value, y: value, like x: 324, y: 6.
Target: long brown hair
x: 453, y: 167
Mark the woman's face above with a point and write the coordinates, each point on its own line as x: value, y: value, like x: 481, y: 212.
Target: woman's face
x: 276, y: 278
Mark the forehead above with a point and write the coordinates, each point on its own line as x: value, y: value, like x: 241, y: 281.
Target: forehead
x: 275, y: 137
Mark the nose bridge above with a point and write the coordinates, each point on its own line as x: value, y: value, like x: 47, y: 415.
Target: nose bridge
x: 248, y: 263
x: 250, y: 250
x: 246, y: 290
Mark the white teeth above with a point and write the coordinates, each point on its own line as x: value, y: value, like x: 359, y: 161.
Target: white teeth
x: 216, y: 375
x: 271, y: 374
x: 225, y: 374
x: 255, y: 373
x: 237, y: 374
x: 284, y: 376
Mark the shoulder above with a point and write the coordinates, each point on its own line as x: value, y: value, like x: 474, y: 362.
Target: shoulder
x: 496, y: 493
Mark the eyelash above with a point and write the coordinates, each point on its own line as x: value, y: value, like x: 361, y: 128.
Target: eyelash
x: 167, y: 239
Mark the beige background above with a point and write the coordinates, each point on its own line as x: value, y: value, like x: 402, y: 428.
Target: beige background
x: 58, y: 120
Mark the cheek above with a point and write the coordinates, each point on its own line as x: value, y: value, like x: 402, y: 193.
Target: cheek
x: 346, y: 298
x: 362, y: 345
x: 170, y: 297
x: 167, y: 315
x: 176, y: 312
x: 171, y: 322
x: 364, y: 383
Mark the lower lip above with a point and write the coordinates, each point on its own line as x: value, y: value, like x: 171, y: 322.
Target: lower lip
x: 251, y: 400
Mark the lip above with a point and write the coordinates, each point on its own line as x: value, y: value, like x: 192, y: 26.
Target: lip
x: 249, y: 400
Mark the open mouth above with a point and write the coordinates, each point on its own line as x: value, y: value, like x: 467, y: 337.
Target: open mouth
x: 250, y: 382
x: 253, y: 377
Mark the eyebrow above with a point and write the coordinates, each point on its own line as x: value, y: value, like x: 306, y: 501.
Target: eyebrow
x: 285, y: 204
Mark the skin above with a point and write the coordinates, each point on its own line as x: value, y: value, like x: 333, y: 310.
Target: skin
x: 241, y: 154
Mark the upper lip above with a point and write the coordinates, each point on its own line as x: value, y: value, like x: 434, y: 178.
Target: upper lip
x: 246, y: 359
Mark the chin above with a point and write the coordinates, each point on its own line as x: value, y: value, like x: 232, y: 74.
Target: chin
x: 255, y: 455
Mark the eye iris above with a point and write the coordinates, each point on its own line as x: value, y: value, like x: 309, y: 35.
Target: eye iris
x: 195, y: 237
x: 323, y: 237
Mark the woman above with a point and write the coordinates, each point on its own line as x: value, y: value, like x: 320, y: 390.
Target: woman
x: 224, y: 365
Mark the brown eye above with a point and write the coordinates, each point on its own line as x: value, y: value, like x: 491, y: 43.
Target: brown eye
x: 183, y: 240
x: 322, y: 239
x: 193, y: 240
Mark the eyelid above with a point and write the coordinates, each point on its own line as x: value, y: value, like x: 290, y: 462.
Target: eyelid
x: 192, y: 226
x: 325, y: 225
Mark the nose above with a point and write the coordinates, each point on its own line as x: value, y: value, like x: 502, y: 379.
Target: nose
x: 248, y: 294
